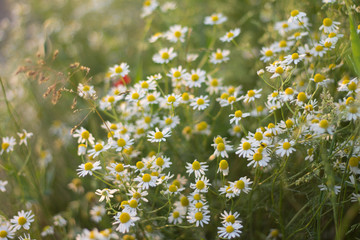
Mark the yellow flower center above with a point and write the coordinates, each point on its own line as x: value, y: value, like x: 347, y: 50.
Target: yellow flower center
x: 218, y: 56
x: 353, y: 110
x: 214, y: 18
x: 196, y: 165
x: 327, y: 44
x: 327, y: 22
x: 3, y: 234
x: 135, y: 95
x: 223, y: 165
x: 144, y: 85
x: 119, y: 167
x: 319, y: 48
x: 22, y: 220
x: 224, y: 96
x: 309, y: 107
x: 201, y: 126
x: 286, y: 145
x: 302, y: 97
x: 295, y: 56
x: 185, y: 96
x: 168, y: 121
x: 151, y: 98
x: 121, y: 142
x: 230, y: 218
x: 238, y: 114
x: 198, y: 216
x: 246, y: 145
x: 229, y: 229
x: 200, y: 101
x: 352, y: 86
x: 137, y: 195
x: 146, y: 177
x: 172, y: 188
x: 184, y: 201
x: 176, y: 214
x: 294, y: 13
x: 177, y: 74
x: 133, y: 203
x: 159, y: 135
x: 5, y: 145
x: 86, y: 88
x: 240, y: 184
x: 165, y: 55
x: 258, y: 136
x: 214, y: 82
x: 289, y: 123
x: 124, y: 217
x: 220, y: 147
x: 98, y: 147
x: 160, y: 161
x: 195, y: 77
x: 324, y: 123
x: 285, y: 25
x: 118, y: 69
x: 269, y: 53
x: 140, y: 165
x: 282, y: 44
x: 230, y: 35
x: 177, y: 34
x: 231, y: 99
x: 251, y: 93
x: 289, y: 91
x: 257, y: 156
x: 200, y: 185
x: 271, y: 125
x: 297, y: 34
x: 274, y: 233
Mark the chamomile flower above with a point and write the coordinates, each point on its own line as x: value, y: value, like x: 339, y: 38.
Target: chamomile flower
x: 121, y: 143
x: 148, y: 7
x: 6, y: 231
x: 251, y: 95
x: 159, y: 136
x: 352, y: 112
x: 322, y: 126
x: 119, y: 71
x: 230, y: 230
x: 97, y: 212
x: 170, y: 121
x: 267, y: 54
x: 177, y: 73
x: 230, y: 35
x: 156, y: 37
x: 47, y: 230
x: 173, y: 99
x: 177, y: 216
x: 285, y: 148
x: 22, y: 220
x: 125, y: 221
x: 201, y: 185
x: 2, y: 185
x: 277, y: 69
x: 59, y: 221
x: 135, y: 95
x: 86, y: 91
x: 215, y: 19
x: 221, y: 147
x: 223, y: 167
x: 173, y: 189
x: 165, y: 55
x: 229, y: 217
x: 241, y: 185
x: 200, y: 218
x: 88, y: 168
x: 198, y: 168
x: 98, y: 148
x: 245, y: 149
x: 84, y: 136
x: 200, y: 103
x: 214, y: 85
x: 105, y: 194
x: 146, y: 181
x: 298, y: 35
x: 318, y: 50
x: 26, y: 237
x: 138, y: 194
x: 237, y: 116
x: 293, y: 58
x: 24, y: 136
x: 176, y: 33
x: 259, y: 158
x: 195, y: 78
x: 329, y: 26
x: 219, y: 56
x: 7, y: 144
x: 296, y: 16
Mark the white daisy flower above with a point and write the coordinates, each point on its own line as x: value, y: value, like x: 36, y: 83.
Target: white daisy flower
x: 200, y: 103
x: 296, y: 16
x: 223, y: 167
x: 245, y: 149
x: 138, y: 194
x: 198, y: 168
x: 84, y: 136
x: 47, y: 230
x: 125, y: 221
x: 318, y: 50
x: 298, y: 35
x: 6, y: 231
x: 293, y: 58
x: 195, y: 78
x: 173, y: 189
x: 329, y: 26
x: 26, y: 237
x: 2, y: 185
x: 214, y: 85
x: 170, y: 122
x: 105, y: 194
x: 59, y: 221
x: 219, y: 56
x: 229, y: 217
x: 221, y: 147
x: 177, y: 73
x: 98, y: 148
x: 88, y: 168
x: 159, y: 136
x: 146, y: 181
x: 259, y: 159
x: 165, y: 55
x: 229, y: 36
x: 22, y: 220
x: 241, y: 185
x: 97, y: 212
x: 173, y: 99
x: 215, y: 19
x: 156, y: 37
x: 118, y: 71
x: 122, y: 143
x: 176, y: 33
x: 230, y: 230
x: 267, y: 54
x: 251, y: 95
x: 177, y: 216
x: 7, y: 144
x: 148, y: 7
x: 24, y: 136
x: 200, y: 218
x: 237, y: 116
x: 86, y: 91
x: 201, y: 185
x: 285, y: 148
x: 322, y: 126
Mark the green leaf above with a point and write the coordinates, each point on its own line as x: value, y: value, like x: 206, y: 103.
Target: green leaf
x: 355, y: 45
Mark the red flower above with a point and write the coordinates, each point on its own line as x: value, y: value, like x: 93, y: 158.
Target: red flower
x: 120, y: 81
